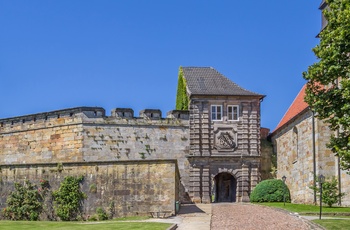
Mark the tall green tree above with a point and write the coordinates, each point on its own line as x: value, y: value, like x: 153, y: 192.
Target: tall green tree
x: 181, y: 96
x: 328, y: 87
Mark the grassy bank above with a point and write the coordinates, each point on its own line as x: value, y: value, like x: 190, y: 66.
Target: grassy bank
x: 338, y: 215
x: 303, y: 209
x: 105, y: 225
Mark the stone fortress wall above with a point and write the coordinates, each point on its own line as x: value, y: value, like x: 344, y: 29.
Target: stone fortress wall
x: 146, y: 153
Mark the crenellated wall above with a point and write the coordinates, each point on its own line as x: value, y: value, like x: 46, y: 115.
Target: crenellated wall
x: 46, y: 137
x: 86, y: 134
x: 84, y: 138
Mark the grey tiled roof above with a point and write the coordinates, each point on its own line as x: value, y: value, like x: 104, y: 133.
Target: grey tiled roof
x: 208, y: 81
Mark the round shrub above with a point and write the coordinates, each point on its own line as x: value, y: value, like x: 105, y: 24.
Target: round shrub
x: 270, y: 191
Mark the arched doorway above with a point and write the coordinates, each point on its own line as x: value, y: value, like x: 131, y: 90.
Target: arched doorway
x: 225, y: 188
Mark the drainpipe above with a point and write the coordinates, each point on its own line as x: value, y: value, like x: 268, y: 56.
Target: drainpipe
x: 314, y: 153
x: 338, y: 162
x: 339, y: 177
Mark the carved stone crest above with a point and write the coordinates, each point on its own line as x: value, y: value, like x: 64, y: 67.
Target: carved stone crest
x: 225, y: 138
x: 226, y: 141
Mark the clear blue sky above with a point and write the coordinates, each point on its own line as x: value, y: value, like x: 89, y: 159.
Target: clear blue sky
x: 60, y: 54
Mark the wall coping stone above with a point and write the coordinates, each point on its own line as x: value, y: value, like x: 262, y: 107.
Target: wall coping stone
x: 63, y: 112
x: 94, y: 115
x: 146, y: 161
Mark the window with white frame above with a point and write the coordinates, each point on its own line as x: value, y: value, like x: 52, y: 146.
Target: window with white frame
x: 233, y: 112
x: 216, y: 112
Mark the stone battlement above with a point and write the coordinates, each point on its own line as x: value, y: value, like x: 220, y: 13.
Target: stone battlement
x: 92, y: 115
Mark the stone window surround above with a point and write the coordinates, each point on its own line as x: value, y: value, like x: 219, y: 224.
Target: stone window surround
x: 231, y: 115
x: 295, y: 139
x: 216, y: 115
x: 224, y: 114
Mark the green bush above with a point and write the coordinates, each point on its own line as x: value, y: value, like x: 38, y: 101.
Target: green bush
x: 271, y: 190
x: 93, y: 218
x: 68, y: 198
x: 330, y: 193
x: 24, y: 203
x: 101, y: 213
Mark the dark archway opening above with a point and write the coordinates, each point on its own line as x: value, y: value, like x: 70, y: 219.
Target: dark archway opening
x: 225, y: 188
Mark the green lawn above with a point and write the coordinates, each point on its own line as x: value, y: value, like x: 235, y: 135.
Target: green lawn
x: 10, y: 225
x: 335, y: 212
x: 309, y: 209
x: 334, y: 224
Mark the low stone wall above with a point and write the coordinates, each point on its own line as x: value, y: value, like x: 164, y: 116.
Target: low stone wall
x: 124, y: 188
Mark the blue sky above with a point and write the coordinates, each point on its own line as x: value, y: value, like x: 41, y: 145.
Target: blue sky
x: 126, y: 54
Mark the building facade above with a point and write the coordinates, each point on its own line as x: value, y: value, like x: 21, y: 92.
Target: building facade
x: 145, y: 163
x: 224, y: 137
x: 300, y: 142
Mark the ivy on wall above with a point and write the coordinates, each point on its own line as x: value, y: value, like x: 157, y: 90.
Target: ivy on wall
x: 182, y: 99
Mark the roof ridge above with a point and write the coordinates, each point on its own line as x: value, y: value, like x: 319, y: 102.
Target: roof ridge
x: 209, y: 81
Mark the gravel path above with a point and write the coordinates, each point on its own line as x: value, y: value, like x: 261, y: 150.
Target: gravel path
x: 232, y: 216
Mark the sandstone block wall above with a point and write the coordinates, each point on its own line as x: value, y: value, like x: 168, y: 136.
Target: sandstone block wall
x: 43, y: 139
x: 294, y: 147
x: 122, y: 187
x: 87, y: 135
x: 111, y: 138
x: 295, y: 158
x: 345, y: 187
x: 267, y: 160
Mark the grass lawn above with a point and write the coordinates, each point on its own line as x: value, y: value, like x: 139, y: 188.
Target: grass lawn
x: 333, y: 224
x: 309, y: 209
x: 10, y: 225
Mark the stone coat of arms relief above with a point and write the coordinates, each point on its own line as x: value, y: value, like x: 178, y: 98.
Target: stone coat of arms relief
x: 225, y: 138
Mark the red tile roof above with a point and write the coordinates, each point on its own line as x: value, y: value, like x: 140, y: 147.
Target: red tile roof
x: 298, y: 106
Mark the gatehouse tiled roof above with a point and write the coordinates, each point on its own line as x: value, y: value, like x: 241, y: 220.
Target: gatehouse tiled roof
x: 297, y: 107
x: 208, y: 81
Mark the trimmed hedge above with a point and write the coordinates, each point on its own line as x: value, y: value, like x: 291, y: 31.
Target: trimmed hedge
x: 270, y: 191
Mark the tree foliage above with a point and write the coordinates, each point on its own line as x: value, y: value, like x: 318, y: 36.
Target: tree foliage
x: 68, y: 198
x: 328, y: 87
x: 24, y: 203
x: 272, y: 190
x: 330, y: 193
x: 181, y: 96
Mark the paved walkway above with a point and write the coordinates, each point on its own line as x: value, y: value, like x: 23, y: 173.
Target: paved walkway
x: 248, y: 216
x: 240, y: 216
x: 195, y: 216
